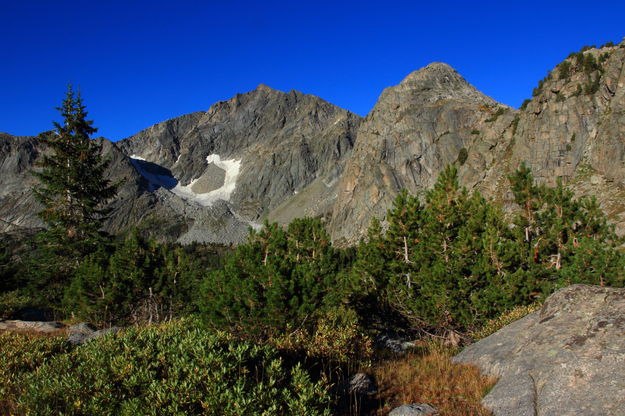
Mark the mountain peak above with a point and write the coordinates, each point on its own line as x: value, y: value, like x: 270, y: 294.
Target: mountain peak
x: 438, y: 81
x: 436, y: 71
x: 265, y: 88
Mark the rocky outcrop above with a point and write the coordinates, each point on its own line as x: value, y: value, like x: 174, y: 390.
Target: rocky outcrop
x: 81, y: 333
x: 35, y: 326
x: 413, y: 410
x: 573, y: 129
x: 18, y: 206
x: 416, y: 129
x: 568, y: 358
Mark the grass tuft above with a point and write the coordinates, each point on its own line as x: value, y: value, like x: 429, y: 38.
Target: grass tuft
x: 432, y: 378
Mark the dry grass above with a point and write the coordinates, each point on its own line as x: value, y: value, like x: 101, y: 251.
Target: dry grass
x: 431, y: 377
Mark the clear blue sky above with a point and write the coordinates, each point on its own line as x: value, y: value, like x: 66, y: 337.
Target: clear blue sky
x: 141, y: 62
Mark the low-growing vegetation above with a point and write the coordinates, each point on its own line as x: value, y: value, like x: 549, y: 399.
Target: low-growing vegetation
x: 430, y: 377
x: 167, y: 369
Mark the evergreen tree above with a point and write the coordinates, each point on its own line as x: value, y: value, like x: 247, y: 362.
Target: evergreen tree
x: 73, y: 187
x: 280, y: 278
x: 560, y: 240
x: 72, y: 191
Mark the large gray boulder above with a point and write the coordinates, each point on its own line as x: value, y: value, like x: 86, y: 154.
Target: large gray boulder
x: 568, y: 358
x: 82, y: 335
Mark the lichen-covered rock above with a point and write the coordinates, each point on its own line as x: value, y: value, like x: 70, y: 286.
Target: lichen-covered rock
x: 36, y: 326
x: 568, y: 358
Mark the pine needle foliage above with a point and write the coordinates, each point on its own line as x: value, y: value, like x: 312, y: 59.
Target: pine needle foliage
x: 73, y: 185
x: 279, y: 278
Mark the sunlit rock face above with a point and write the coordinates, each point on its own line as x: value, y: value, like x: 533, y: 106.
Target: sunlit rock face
x: 415, y: 130
x: 263, y: 154
x: 564, y: 359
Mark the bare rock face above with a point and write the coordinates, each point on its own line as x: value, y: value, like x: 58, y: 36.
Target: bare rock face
x: 566, y: 359
x: 18, y: 206
x: 572, y: 129
x: 277, y: 143
x: 413, y: 132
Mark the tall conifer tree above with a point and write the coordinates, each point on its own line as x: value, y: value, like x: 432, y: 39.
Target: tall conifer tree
x: 73, y: 187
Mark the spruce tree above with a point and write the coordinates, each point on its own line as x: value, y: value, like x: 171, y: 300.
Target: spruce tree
x: 73, y: 188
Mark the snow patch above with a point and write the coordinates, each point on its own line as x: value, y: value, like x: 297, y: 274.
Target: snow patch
x: 231, y: 168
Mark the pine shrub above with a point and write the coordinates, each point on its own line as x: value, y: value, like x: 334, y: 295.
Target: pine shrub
x: 171, y: 369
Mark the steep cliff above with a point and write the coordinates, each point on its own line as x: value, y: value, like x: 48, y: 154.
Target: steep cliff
x: 256, y: 151
x: 432, y: 118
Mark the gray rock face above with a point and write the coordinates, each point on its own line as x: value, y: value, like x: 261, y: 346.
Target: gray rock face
x: 283, y: 142
x: 566, y: 359
x: 394, y: 345
x: 569, y: 132
x: 413, y: 410
x: 37, y: 326
x: 81, y: 328
x: 80, y: 338
x: 360, y: 384
x: 415, y: 130
x: 17, y: 204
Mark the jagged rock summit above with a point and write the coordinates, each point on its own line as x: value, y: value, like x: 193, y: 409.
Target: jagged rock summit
x: 439, y: 81
x: 568, y: 358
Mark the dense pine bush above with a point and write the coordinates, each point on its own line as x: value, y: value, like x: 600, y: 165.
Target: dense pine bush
x: 280, y: 277
x: 454, y: 262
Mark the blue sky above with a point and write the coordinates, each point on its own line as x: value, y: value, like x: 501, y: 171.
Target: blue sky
x: 141, y: 62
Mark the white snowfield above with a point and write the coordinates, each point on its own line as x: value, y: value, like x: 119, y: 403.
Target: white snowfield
x: 231, y: 168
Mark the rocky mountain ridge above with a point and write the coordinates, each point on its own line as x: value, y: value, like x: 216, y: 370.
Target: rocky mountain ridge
x: 267, y: 154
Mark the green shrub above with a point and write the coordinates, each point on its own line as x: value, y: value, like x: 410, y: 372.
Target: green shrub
x: 505, y: 319
x: 525, y: 103
x: 337, y: 342
x: 592, y: 86
x: 564, y: 70
x: 463, y: 154
x: 137, y: 281
x: 11, y: 302
x: 496, y: 115
x: 279, y: 278
x: 515, y: 124
x: 20, y: 355
x: 171, y: 369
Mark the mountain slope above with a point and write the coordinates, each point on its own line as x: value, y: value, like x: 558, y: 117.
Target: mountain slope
x: 415, y: 130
